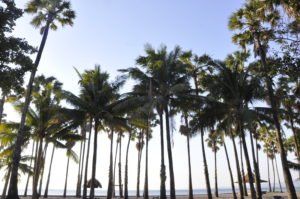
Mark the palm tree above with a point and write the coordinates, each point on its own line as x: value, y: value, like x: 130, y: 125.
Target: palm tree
x: 250, y: 20
x: 8, y: 134
x: 169, y: 79
x: 70, y: 154
x: 97, y: 99
x: 185, y: 130
x: 47, y: 13
x: 195, y: 65
x: 213, y: 141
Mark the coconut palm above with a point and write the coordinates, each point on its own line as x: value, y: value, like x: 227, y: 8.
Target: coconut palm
x: 214, y: 140
x: 70, y: 154
x: 8, y: 134
x: 48, y: 12
x: 97, y: 99
x: 251, y: 20
x: 169, y: 79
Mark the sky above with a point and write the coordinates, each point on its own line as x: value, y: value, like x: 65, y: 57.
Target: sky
x: 113, y: 33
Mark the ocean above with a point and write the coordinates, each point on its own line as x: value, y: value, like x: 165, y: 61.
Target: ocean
x: 102, y: 192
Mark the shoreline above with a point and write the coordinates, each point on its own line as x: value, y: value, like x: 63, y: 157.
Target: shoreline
x: 267, y: 195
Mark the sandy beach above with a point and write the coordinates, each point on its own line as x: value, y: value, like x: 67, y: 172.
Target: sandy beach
x: 269, y: 195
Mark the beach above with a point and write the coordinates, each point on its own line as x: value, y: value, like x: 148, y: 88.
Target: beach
x: 269, y: 195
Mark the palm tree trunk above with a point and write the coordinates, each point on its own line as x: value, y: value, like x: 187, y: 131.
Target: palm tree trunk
x: 82, y: 165
x: 278, y: 174
x: 249, y: 170
x: 162, y: 164
x: 2, y: 101
x: 269, y: 181
x: 216, y: 175
x: 191, y: 195
x: 146, y: 189
x: 238, y: 170
x: 120, y: 168
x: 37, y: 168
x: 140, y: 153
x: 78, y: 184
x: 170, y: 157
x: 286, y: 171
x: 126, y: 169
x: 66, y: 179
x: 13, y: 184
x: 230, y: 172
x: 49, y: 173
x: 209, y: 195
x: 295, y: 140
x: 84, y: 193
x: 273, y: 174
x: 43, y: 168
x: 28, y: 176
x: 115, y: 162
x: 6, y: 184
x: 257, y: 173
x: 243, y: 171
x: 92, y: 189
x: 110, y: 172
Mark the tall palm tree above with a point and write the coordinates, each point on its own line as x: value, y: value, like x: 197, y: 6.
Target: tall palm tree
x: 168, y: 76
x: 185, y: 130
x: 250, y: 20
x: 47, y: 13
x: 70, y: 154
x: 214, y: 140
x: 97, y: 99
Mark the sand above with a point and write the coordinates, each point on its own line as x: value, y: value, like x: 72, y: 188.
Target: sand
x: 271, y: 195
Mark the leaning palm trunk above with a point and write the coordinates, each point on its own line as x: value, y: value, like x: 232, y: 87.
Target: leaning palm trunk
x: 279, y: 182
x: 249, y: 170
x: 256, y: 169
x: 28, y: 175
x: 92, y: 189
x: 162, y: 164
x: 146, y: 190
x: 120, y: 167
x: 230, y: 172
x: 295, y: 140
x: 84, y: 193
x: 110, y: 171
x: 126, y: 169
x: 13, y: 185
x: 238, y: 170
x: 170, y: 157
x: 66, y: 179
x: 209, y: 195
x: 286, y: 172
x: 49, y: 173
x: 6, y: 184
x: 2, y: 101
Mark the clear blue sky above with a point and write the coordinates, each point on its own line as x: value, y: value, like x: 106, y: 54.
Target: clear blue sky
x: 113, y: 33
